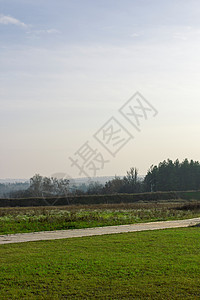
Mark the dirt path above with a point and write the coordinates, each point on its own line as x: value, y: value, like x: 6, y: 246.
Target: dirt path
x: 65, y: 234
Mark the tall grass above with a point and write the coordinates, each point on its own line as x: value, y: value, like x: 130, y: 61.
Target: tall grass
x: 14, y: 220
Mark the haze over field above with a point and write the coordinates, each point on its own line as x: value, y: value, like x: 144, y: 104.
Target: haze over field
x: 66, y: 67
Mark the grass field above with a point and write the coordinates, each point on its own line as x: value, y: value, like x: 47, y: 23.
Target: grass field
x: 13, y: 220
x: 161, y: 264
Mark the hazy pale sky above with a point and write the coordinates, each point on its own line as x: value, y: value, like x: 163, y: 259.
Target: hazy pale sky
x: 66, y: 68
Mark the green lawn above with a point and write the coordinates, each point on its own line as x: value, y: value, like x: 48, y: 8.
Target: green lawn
x: 161, y: 264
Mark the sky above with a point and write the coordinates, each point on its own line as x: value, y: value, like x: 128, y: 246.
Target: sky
x: 66, y: 69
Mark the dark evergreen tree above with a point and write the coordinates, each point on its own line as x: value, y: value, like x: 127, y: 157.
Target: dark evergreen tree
x: 173, y: 176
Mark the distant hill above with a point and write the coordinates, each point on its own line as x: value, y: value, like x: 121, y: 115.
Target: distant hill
x: 100, y: 179
x: 77, y: 181
x: 11, y: 180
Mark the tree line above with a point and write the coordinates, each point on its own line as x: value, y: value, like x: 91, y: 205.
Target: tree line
x: 166, y: 176
x: 173, y: 176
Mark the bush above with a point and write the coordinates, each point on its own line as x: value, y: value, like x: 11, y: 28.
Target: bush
x: 98, y: 199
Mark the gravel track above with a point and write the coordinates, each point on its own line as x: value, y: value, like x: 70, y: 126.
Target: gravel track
x: 65, y: 234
